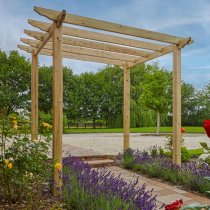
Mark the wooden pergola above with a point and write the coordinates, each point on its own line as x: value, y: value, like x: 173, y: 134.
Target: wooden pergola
x: 81, y: 43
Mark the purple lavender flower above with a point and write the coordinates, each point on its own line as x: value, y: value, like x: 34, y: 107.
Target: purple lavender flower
x: 191, y: 174
x: 102, y: 183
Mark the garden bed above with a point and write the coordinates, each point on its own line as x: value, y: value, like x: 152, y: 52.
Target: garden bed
x: 86, y: 188
x: 190, y: 176
x: 42, y: 201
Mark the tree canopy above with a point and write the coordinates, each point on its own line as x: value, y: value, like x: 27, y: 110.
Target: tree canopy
x: 15, y: 82
x: 99, y: 96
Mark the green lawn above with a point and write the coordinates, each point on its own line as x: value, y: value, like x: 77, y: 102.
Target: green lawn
x: 133, y: 130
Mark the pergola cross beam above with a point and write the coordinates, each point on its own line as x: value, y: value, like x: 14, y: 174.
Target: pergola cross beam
x: 109, y: 26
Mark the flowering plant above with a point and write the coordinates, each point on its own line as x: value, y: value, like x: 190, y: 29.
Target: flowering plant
x: 206, y: 125
x: 190, y: 175
x: 183, y: 130
x: 23, y: 163
x: 86, y: 188
x: 175, y: 205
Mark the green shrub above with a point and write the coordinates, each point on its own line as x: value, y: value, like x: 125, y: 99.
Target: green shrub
x: 207, y: 160
x: 128, y: 159
x: 154, y: 151
x: 161, y: 151
x: 24, y: 166
x: 138, y: 167
x: 195, y: 153
x: 128, y: 162
x: 185, y: 154
x: 204, y: 145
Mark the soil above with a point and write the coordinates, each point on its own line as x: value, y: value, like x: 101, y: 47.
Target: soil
x: 45, y: 202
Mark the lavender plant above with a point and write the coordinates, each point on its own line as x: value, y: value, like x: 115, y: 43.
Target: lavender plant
x: 190, y: 174
x: 86, y: 188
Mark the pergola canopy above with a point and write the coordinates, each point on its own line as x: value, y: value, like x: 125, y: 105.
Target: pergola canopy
x: 124, y: 46
x: 88, y: 45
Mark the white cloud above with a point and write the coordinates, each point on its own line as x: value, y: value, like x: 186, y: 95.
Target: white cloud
x: 150, y: 14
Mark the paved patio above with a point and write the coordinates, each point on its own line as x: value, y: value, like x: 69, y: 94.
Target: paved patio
x: 112, y: 143
x: 165, y: 192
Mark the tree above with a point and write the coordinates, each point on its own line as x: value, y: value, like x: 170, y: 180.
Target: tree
x: 15, y: 82
x: 157, y: 91
x: 45, y: 89
x: 138, y: 74
x: 195, y: 104
x: 92, y: 86
x: 73, y: 96
x: 111, y: 97
x: 189, y: 101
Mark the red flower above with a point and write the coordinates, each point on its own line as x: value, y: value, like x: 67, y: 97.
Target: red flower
x: 183, y: 130
x: 174, y: 205
x: 206, y: 125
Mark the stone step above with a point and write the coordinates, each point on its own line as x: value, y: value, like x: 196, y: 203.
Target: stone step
x: 94, y: 157
x: 100, y: 163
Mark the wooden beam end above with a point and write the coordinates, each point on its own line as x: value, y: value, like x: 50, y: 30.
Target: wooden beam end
x: 37, y: 9
x: 60, y: 18
x: 191, y: 41
x: 30, y: 22
x: 185, y: 42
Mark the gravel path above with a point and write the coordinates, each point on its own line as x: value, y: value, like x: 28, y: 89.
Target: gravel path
x: 112, y: 143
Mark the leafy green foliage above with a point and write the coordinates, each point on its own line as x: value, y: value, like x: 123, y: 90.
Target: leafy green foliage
x: 99, y: 96
x: 185, y: 154
x: 23, y: 164
x: 207, y: 160
x: 204, y: 145
x: 157, y: 87
x: 15, y: 82
x: 128, y: 159
x: 195, y: 206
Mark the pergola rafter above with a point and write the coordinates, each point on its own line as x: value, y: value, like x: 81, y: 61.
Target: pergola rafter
x: 76, y: 56
x: 113, y: 48
x: 88, y: 44
x: 84, y: 51
x: 98, y: 36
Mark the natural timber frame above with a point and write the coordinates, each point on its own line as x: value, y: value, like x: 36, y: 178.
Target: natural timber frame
x: 96, y: 46
x: 34, y: 97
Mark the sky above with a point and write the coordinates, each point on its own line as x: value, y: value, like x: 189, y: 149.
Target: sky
x: 189, y: 18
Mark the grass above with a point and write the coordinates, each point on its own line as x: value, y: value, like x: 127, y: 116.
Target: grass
x: 133, y: 130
